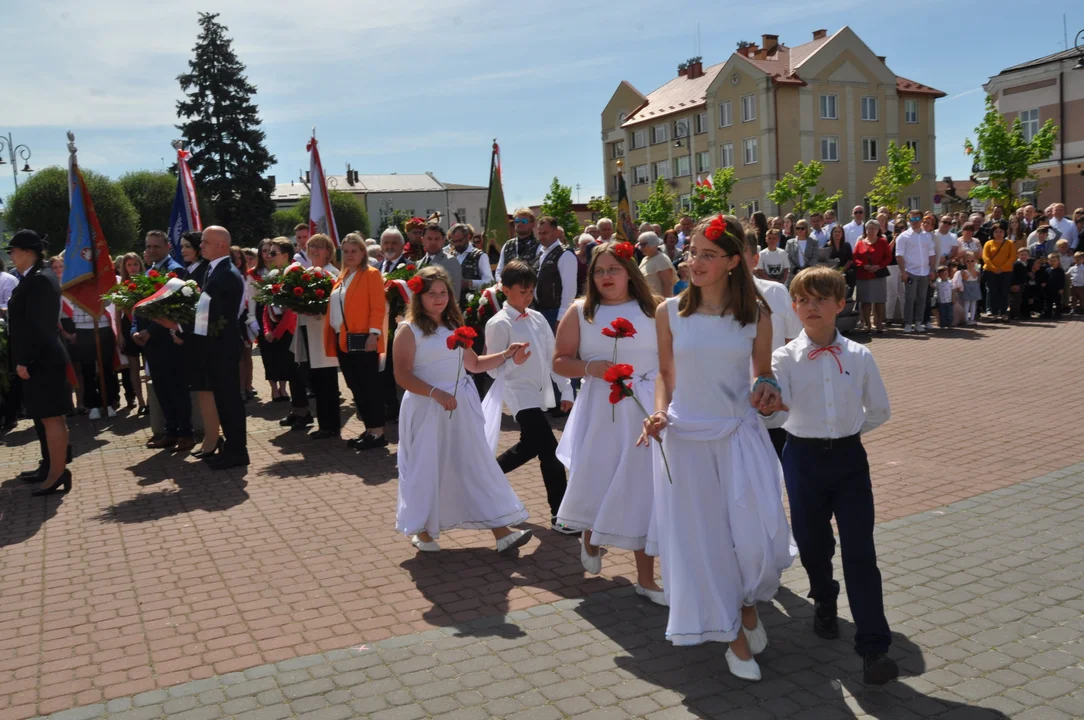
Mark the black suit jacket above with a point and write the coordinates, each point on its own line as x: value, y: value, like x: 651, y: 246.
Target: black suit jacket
x: 33, y: 313
x: 227, y: 290
x: 395, y: 265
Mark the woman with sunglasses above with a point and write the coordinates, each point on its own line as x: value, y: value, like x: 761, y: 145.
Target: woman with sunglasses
x: 279, y: 326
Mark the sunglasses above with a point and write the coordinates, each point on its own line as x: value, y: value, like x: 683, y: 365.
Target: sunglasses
x: 946, y: 222
x: 273, y: 253
x: 522, y: 221
x: 859, y: 212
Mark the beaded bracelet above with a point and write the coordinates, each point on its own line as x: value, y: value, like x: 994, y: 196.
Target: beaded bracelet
x: 767, y: 380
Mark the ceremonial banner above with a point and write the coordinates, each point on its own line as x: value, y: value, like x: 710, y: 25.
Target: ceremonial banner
x: 497, y: 213
x: 626, y: 228
x: 88, y: 268
x: 184, y: 217
x: 321, y: 219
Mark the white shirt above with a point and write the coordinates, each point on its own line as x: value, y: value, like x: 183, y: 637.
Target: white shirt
x: 301, y: 257
x: 821, y: 236
x: 85, y: 321
x: 1067, y: 228
x: 8, y: 283
x: 944, y: 242
x: 802, y: 245
x: 774, y: 263
x: 785, y: 323
x: 528, y: 385
x: 916, y: 249
x: 1076, y: 274
x: 567, y: 265
x: 388, y: 263
x: 944, y: 290
x: 852, y: 231
x: 824, y: 402
x: 484, y: 268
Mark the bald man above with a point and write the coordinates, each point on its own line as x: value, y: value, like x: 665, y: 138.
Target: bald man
x: 216, y: 318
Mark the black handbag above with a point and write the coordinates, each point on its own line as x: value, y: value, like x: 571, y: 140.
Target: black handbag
x: 882, y: 273
x: 355, y: 342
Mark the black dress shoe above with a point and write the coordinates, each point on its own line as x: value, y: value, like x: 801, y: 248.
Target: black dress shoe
x: 825, y: 620
x: 301, y: 423
x: 368, y: 441
x: 62, y: 485
x: 878, y: 669
x: 223, y: 462
x: 216, y: 449
x: 324, y: 434
x: 38, y: 474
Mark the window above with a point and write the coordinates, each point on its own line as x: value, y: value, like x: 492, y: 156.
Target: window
x: 726, y: 155
x: 726, y: 117
x: 429, y: 213
x: 828, y: 107
x: 701, y: 124
x: 869, y: 149
x: 617, y: 149
x: 703, y: 162
x: 660, y: 133
x: 461, y: 215
x: 1029, y: 119
x: 661, y: 169
x: 914, y: 203
x: 913, y: 144
x: 1029, y: 189
x: 754, y: 206
x: 483, y: 216
x: 869, y: 108
x: 639, y: 138
x: 749, y: 150
x: 686, y: 201
x: 910, y: 111
x: 639, y: 175
x: 681, y: 166
x: 614, y: 186
x: 748, y: 108
x: 830, y: 148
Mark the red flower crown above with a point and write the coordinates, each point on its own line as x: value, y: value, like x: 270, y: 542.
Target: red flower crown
x: 624, y: 250
x: 716, y: 228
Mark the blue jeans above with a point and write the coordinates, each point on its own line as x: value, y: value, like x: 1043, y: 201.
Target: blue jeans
x: 944, y: 311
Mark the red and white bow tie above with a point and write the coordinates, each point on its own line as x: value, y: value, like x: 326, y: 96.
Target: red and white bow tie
x: 521, y: 317
x: 833, y: 350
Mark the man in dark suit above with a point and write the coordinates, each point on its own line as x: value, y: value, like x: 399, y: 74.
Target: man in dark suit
x: 216, y: 316
x: 391, y: 246
x: 433, y: 241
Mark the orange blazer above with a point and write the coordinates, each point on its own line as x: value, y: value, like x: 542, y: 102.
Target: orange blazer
x: 363, y: 309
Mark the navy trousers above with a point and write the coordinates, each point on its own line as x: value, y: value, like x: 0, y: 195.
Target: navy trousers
x: 825, y: 480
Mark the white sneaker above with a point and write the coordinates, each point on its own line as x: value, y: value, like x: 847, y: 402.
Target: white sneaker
x: 920, y: 328
x: 95, y: 414
x: 757, y: 637
x: 744, y: 669
x: 907, y: 329
x: 429, y: 547
x: 515, y: 540
x: 656, y: 596
x: 109, y: 411
x: 591, y: 563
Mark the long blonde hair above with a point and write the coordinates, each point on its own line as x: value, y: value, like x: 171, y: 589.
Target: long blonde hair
x: 639, y: 290
x: 355, y: 239
x: 451, y: 318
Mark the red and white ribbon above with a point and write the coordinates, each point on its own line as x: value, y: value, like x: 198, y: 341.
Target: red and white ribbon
x: 489, y: 296
x: 170, y: 287
x: 401, y: 286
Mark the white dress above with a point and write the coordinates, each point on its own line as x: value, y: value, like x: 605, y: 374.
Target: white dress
x: 610, y: 479
x: 448, y: 478
x: 723, y: 537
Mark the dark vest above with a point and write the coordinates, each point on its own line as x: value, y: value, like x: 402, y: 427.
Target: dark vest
x: 548, y: 291
x: 527, y: 251
x: 470, y: 269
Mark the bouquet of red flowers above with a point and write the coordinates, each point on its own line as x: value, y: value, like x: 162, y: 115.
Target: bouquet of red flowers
x: 619, y: 329
x: 127, y: 293
x: 296, y: 288
x: 173, y: 302
x: 483, y: 305
x: 620, y: 379
x: 397, y: 289
x: 462, y: 339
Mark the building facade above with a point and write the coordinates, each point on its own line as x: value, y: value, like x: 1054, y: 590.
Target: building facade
x: 1049, y: 88
x: 766, y: 108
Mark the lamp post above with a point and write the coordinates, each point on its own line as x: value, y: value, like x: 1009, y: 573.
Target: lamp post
x: 14, y: 152
x: 681, y: 131
x: 1078, y: 43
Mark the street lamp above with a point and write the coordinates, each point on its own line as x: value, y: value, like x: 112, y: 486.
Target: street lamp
x: 1078, y: 43
x: 22, y: 151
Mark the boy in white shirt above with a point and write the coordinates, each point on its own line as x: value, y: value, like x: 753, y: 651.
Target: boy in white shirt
x: 773, y: 263
x: 834, y: 393
x: 528, y: 391
x: 1076, y: 282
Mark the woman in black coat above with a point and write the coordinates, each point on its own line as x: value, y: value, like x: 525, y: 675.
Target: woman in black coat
x: 39, y: 356
x: 194, y: 348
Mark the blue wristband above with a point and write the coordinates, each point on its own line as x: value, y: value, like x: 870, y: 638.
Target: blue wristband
x: 766, y: 380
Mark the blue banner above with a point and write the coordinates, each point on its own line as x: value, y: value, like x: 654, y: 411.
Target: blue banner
x: 179, y: 221
x: 79, y: 248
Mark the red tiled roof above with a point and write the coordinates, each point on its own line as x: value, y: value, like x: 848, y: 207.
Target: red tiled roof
x: 911, y: 87
x: 679, y: 95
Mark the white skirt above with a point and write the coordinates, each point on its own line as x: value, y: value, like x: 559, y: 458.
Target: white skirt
x: 448, y: 478
x: 610, y: 480
x: 723, y: 537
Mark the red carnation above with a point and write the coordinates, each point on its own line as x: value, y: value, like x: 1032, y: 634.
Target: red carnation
x: 624, y: 250
x: 317, y: 272
x: 715, y: 229
x: 462, y: 337
x: 416, y: 284
x: 152, y: 273
x: 409, y: 267
x: 299, y: 291
x: 172, y: 275
x: 294, y: 270
x: 620, y: 328
x: 276, y: 288
x: 618, y: 373
x: 132, y: 286
x: 319, y: 294
x: 306, y: 278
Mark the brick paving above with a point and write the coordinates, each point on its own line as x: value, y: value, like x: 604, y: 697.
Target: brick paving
x: 156, y: 572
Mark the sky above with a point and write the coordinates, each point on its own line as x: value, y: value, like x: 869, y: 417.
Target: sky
x: 426, y: 85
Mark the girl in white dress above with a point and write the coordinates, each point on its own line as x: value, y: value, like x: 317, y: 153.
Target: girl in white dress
x: 723, y: 537
x: 610, y: 491
x: 448, y: 478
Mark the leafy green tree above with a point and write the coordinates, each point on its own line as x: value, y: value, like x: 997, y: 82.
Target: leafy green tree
x: 603, y: 207
x: 558, y: 203
x: 660, y: 207
x: 715, y: 199
x: 1004, y: 157
x: 221, y: 126
x: 41, y: 203
x: 151, y: 193
x: 284, y: 221
x: 350, y: 214
x: 893, y: 178
x: 798, y: 187
x: 397, y: 220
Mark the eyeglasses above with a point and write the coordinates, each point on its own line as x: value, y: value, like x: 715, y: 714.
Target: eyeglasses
x: 859, y: 212
x: 608, y: 272
x: 522, y: 221
x: 273, y: 253
x: 946, y: 222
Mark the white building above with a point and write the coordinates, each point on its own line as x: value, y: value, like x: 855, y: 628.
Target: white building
x: 417, y: 195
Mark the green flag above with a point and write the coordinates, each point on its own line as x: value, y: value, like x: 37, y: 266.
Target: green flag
x: 626, y: 228
x: 497, y: 214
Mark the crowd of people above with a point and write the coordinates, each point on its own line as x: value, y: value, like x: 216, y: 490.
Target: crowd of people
x: 620, y: 337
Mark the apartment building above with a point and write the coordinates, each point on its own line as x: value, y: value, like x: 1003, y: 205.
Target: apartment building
x: 1049, y: 88
x: 764, y: 109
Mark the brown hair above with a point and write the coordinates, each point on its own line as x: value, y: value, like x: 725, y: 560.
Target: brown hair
x: 124, y: 259
x: 520, y: 273
x: 323, y: 241
x: 237, y: 254
x: 745, y: 299
x: 451, y: 318
x: 639, y: 290
x: 548, y: 221
x: 819, y: 281
x: 301, y: 226
x: 284, y: 246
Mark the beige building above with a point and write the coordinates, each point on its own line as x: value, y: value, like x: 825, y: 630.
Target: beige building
x: 1050, y: 88
x: 764, y: 109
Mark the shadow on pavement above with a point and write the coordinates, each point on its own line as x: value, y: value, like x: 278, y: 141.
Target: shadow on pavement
x: 197, y: 488
x: 22, y: 516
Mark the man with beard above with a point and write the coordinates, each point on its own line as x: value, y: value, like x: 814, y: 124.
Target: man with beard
x: 474, y: 263
x: 524, y: 246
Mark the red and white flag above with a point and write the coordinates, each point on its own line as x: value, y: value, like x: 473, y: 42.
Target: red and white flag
x: 321, y: 220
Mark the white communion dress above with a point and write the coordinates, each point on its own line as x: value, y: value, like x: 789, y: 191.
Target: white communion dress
x: 448, y: 478
x: 723, y: 536
x: 610, y: 488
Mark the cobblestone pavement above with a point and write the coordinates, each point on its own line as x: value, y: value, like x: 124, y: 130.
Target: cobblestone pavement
x: 985, y: 596
x: 156, y: 572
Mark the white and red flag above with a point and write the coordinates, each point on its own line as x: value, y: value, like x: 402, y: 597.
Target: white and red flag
x: 321, y: 220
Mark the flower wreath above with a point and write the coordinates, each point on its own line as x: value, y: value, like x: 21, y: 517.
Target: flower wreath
x: 624, y: 250
x: 716, y: 228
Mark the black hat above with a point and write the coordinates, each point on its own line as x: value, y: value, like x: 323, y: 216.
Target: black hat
x: 27, y: 240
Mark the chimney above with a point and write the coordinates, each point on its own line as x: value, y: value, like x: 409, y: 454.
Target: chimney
x: 751, y: 50
x: 820, y: 34
x: 882, y: 59
x: 696, y: 69
x: 271, y: 180
x: 683, y: 70
x: 770, y: 42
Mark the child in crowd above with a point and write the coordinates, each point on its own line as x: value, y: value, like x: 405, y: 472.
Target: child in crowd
x: 1019, y: 285
x: 1033, y: 293
x: 966, y: 282
x: 1053, y: 283
x: 825, y: 465
x: 1065, y: 257
x: 943, y: 289
x: 773, y: 264
x: 1076, y: 282
x: 683, y: 278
